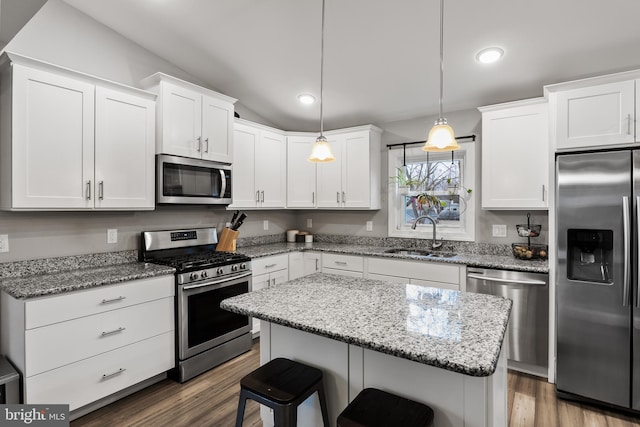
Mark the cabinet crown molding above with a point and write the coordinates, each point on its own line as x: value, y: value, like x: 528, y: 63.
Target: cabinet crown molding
x: 512, y: 104
x: 591, y: 81
x: 157, y: 78
x: 10, y: 58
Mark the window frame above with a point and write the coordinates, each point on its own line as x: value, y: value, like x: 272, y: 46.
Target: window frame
x: 466, y: 231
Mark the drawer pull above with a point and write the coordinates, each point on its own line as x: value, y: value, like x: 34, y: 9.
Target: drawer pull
x: 269, y: 265
x: 107, y: 301
x: 113, y: 374
x: 341, y: 262
x: 115, y: 331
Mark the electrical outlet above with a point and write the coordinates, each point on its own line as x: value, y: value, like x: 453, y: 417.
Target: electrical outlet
x: 309, y: 223
x: 499, y: 230
x: 4, y: 243
x: 112, y: 235
x: 369, y: 225
x: 265, y: 224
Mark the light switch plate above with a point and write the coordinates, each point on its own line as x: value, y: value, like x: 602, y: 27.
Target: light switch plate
x: 112, y: 235
x: 265, y: 224
x: 4, y: 243
x: 369, y: 225
x: 309, y: 222
x: 499, y: 230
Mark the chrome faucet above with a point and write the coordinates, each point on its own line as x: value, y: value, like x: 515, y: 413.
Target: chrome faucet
x: 434, y: 244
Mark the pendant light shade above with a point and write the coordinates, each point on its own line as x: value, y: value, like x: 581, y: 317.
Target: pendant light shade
x: 441, y: 136
x: 321, y: 150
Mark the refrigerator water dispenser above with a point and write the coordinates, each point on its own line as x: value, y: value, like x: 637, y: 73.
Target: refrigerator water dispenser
x: 590, y: 255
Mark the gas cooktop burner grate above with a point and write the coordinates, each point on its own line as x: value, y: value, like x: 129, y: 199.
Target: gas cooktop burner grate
x: 202, y: 260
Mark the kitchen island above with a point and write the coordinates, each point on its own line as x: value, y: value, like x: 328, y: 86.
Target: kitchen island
x: 437, y: 346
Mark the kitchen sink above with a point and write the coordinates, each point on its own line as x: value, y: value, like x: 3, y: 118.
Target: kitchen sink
x: 419, y: 253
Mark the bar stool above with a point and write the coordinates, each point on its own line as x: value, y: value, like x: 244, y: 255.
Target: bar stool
x: 282, y: 385
x: 377, y: 408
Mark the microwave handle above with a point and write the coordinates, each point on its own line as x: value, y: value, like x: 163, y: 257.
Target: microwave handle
x: 223, y: 179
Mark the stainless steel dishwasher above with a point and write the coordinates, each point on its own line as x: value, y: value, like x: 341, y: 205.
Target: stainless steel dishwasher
x: 528, y: 328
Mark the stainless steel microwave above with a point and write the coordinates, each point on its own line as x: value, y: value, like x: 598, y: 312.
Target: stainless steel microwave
x: 181, y: 180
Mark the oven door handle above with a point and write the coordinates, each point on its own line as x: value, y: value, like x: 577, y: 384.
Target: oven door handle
x: 217, y: 282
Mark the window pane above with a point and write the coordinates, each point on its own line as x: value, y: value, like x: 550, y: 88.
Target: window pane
x: 433, y: 190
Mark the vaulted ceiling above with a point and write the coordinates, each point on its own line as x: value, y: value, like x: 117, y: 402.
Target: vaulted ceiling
x: 381, y: 56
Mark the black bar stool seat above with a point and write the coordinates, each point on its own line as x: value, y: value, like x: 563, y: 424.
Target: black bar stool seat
x: 377, y: 408
x: 282, y: 385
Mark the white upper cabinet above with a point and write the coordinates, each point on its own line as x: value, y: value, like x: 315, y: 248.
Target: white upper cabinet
x: 73, y: 142
x: 192, y: 121
x: 259, y: 168
x: 301, y: 173
x: 515, y: 155
x: 352, y: 181
x: 124, y: 150
x: 593, y: 113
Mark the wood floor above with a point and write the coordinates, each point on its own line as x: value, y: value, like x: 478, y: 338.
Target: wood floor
x: 211, y: 400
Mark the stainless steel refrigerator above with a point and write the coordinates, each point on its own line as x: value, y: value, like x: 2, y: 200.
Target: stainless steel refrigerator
x: 598, y: 314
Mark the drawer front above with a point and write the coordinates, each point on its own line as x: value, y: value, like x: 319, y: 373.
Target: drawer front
x: 443, y: 285
x: 83, y: 382
x: 342, y: 262
x: 423, y: 270
x: 385, y: 278
x: 269, y: 264
x: 52, y: 309
x: 52, y: 346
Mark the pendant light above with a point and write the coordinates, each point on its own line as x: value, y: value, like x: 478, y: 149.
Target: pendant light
x: 321, y: 150
x: 441, y: 137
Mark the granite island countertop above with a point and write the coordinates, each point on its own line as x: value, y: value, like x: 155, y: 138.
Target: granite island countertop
x: 496, y: 261
x: 457, y: 331
x: 33, y: 282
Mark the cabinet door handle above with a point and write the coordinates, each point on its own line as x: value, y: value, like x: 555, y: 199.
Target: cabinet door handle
x: 206, y: 145
x: 257, y: 196
x: 337, y: 196
x: 344, y: 199
x: 313, y: 197
x: 199, y: 147
x: 273, y: 282
x: 543, y: 192
x: 101, y: 190
x: 115, y: 331
x: 628, y: 124
x: 262, y: 198
x: 269, y: 265
x: 113, y: 374
x: 89, y: 190
x: 317, y: 264
x: 107, y: 301
x: 341, y: 262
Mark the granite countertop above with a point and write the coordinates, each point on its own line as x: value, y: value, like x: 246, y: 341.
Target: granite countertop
x: 497, y: 261
x: 457, y: 331
x: 28, y: 279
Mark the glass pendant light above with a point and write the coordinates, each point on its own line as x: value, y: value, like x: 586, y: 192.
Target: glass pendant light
x: 321, y: 150
x: 441, y: 136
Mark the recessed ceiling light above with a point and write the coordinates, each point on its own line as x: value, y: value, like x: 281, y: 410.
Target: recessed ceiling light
x: 306, y: 99
x: 489, y: 55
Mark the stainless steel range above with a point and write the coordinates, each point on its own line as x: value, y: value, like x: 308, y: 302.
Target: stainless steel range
x: 206, y: 335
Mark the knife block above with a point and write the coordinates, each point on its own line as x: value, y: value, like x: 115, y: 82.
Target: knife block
x: 227, y: 241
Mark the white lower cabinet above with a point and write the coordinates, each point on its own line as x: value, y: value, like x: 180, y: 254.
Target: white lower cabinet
x: 345, y: 265
x: 425, y: 273
x: 312, y: 262
x: 79, y: 347
x: 268, y: 271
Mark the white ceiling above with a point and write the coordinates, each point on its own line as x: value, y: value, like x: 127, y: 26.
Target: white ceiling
x: 381, y: 56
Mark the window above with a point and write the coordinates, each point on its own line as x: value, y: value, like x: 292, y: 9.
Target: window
x: 435, y: 185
